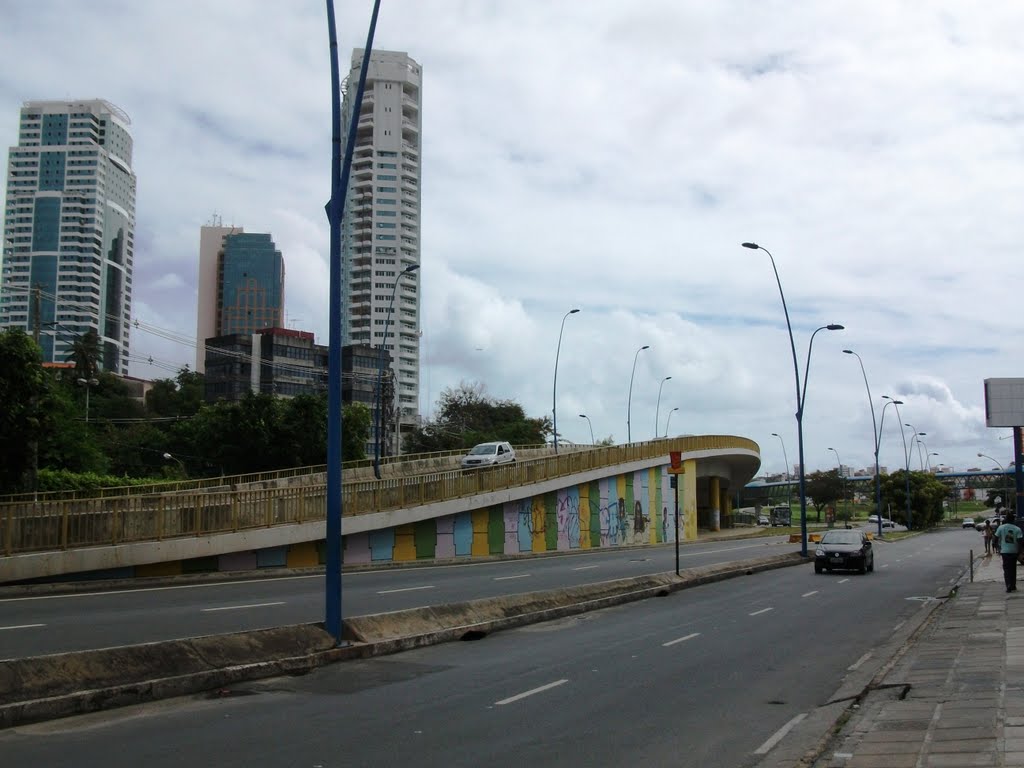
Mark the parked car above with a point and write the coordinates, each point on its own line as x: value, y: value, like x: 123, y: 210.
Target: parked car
x: 488, y: 455
x: 886, y: 522
x: 968, y: 522
x: 763, y: 520
x: 842, y: 549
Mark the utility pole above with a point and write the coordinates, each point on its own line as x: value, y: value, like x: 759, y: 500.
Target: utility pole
x: 36, y: 309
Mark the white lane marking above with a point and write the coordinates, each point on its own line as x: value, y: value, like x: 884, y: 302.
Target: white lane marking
x: 23, y: 626
x: 240, y: 607
x: 140, y: 590
x: 886, y: 565
x: 898, y: 626
x: 506, y: 578
x: 808, y: 594
x: 843, y: 581
x: 763, y: 610
x: 680, y: 639
x: 404, y: 589
x: 859, y: 661
x: 524, y: 694
x: 779, y: 734
x: 586, y: 567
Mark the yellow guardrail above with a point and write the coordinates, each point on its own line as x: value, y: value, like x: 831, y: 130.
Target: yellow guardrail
x: 57, y: 524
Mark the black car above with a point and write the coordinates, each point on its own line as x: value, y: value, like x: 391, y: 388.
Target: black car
x: 850, y: 550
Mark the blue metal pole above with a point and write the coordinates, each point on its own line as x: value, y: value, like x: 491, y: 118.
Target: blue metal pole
x: 335, y: 211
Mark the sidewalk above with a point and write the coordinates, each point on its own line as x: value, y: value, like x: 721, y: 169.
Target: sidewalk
x: 956, y: 697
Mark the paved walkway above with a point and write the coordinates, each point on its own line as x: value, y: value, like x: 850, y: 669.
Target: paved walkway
x: 956, y: 697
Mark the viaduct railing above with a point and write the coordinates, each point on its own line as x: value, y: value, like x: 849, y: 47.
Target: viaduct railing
x: 67, y: 523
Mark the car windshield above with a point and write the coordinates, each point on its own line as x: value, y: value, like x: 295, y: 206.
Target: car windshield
x: 483, y: 448
x: 841, y: 537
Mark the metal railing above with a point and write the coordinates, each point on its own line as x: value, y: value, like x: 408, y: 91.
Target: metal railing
x: 66, y: 523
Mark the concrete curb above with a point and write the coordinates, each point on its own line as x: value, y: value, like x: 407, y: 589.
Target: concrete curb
x: 44, y: 687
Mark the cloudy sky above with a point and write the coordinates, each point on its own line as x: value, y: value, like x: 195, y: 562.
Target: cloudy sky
x: 609, y: 156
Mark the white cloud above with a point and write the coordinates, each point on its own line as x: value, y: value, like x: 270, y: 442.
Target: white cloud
x: 610, y: 157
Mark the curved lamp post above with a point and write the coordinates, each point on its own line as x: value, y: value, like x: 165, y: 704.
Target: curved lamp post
x: 657, y: 410
x: 629, y: 402
x: 88, y: 384
x: 839, y: 470
x: 906, y: 454
x: 917, y: 440
x: 169, y: 457
x: 928, y: 465
x: 584, y: 416
x: 380, y: 370
x: 800, y: 395
x: 1002, y: 471
x: 668, y: 419
x: 876, y: 435
x: 785, y: 458
x: 554, y: 385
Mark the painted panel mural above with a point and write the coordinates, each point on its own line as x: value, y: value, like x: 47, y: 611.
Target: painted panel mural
x: 630, y: 509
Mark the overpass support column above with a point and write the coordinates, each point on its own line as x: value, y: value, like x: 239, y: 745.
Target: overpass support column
x: 688, y: 491
x: 714, y: 502
x: 725, y: 502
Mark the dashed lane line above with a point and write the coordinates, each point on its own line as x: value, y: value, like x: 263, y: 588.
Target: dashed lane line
x: 241, y: 607
x: 681, y: 639
x: 405, y: 589
x: 506, y: 578
x: 763, y: 610
x: 531, y: 692
x: 779, y: 735
x: 23, y: 626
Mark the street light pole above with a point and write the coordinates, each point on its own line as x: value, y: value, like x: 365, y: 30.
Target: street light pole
x: 1002, y: 471
x: 785, y: 458
x: 88, y: 384
x: 906, y: 455
x: 584, y: 416
x: 800, y: 395
x: 657, y: 410
x: 917, y: 439
x: 380, y: 369
x: 839, y: 470
x: 181, y: 464
x: 554, y: 385
x: 876, y: 435
x: 629, y: 402
x: 878, y: 477
x: 668, y: 419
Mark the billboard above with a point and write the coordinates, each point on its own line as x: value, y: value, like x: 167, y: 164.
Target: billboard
x: 1004, y: 402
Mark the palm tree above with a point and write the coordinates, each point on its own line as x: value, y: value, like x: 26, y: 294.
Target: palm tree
x: 85, y: 353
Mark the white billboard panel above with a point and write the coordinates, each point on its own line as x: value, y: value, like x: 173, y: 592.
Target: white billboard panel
x: 1004, y: 402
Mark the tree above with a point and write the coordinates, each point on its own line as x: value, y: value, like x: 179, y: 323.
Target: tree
x: 85, y: 354
x: 824, y: 488
x: 356, y: 419
x: 467, y: 416
x: 181, y: 396
x: 926, y: 496
x: 22, y: 388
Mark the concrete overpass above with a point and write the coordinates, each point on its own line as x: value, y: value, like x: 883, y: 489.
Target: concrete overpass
x: 424, y: 508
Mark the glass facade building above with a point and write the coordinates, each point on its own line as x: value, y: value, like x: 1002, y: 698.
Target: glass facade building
x: 69, y: 228
x: 250, y: 284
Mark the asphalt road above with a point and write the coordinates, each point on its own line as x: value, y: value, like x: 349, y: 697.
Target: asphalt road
x: 706, y: 676
x: 44, y: 624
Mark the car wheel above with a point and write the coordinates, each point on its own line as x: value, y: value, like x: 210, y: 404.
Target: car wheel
x: 817, y: 568
x: 863, y: 566
x: 871, y: 568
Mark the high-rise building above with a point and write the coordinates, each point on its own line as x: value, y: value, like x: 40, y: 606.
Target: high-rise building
x: 241, y: 285
x: 381, y: 236
x: 69, y: 229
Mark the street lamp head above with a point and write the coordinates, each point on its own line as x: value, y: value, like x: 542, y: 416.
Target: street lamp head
x: 410, y: 268
x: 583, y: 415
x: 666, y: 378
x: 775, y: 434
x: 835, y: 327
x: 753, y: 246
x: 676, y: 408
x: 573, y: 311
x: 645, y: 346
x: 168, y: 456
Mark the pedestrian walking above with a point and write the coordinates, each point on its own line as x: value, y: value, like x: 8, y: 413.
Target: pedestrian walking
x: 1007, y: 538
x: 986, y: 532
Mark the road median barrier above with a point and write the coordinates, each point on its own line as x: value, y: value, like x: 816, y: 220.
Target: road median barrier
x: 41, y: 688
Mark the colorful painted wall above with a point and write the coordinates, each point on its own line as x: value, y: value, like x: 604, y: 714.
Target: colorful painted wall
x: 634, y: 508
